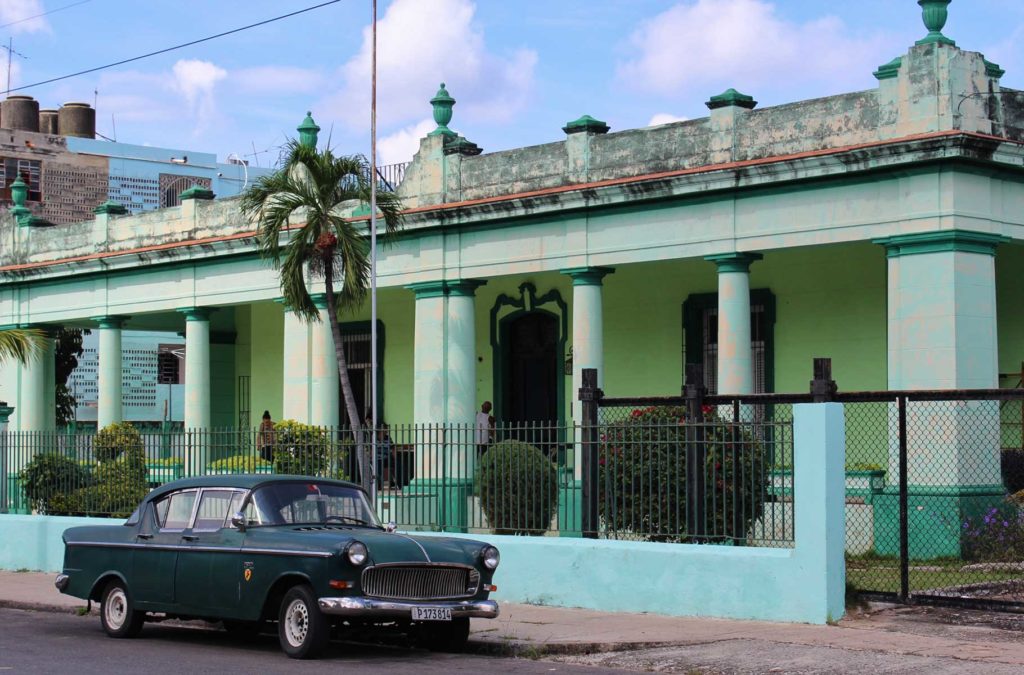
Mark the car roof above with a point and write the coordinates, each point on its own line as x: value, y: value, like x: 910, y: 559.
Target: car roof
x: 245, y: 481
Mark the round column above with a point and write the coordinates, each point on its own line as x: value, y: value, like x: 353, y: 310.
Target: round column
x: 110, y: 407
x: 197, y: 367
x: 36, y: 383
x: 587, y: 327
x: 735, y: 356
x: 324, y: 395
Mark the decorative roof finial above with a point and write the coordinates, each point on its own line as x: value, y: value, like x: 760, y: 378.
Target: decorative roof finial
x: 443, y: 104
x: 19, y: 193
x: 308, y: 131
x: 934, y: 13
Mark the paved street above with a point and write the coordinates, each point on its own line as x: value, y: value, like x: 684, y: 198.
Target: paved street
x: 48, y: 642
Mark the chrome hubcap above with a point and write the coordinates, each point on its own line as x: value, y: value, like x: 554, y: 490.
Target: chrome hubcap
x: 117, y: 608
x: 296, y: 623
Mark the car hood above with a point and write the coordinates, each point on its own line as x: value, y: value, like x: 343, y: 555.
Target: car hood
x: 383, y: 547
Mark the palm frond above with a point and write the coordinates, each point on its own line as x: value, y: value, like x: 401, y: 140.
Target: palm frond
x: 23, y: 344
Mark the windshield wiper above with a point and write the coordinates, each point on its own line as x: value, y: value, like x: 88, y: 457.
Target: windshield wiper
x: 348, y: 519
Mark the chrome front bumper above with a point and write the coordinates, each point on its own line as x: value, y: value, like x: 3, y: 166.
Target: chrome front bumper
x: 369, y: 607
x: 61, y: 582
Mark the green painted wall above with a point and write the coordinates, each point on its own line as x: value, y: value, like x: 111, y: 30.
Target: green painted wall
x: 222, y: 385
x: 243, y: 356
x: 267, y: 362
x: 1010, y: 313
x: 830, y: 302
x: 396, y: 309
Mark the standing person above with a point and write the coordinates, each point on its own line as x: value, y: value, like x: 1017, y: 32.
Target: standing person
x: 484, y: 428
x: 265, y: 438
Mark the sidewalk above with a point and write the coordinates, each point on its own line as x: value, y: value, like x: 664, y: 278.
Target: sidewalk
x: 943, y: 640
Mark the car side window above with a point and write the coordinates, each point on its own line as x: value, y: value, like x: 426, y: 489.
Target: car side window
x: 174, y: 512
x: 214, y: 507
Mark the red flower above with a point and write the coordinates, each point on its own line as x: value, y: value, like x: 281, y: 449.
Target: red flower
x: 706, y: 409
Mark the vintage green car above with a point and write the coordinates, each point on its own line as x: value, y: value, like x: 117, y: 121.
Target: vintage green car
x: 308, y: 553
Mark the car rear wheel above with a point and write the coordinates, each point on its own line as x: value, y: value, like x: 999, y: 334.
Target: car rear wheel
x: 444, y: 637
x: 301, y: 627
x: 117, y: 616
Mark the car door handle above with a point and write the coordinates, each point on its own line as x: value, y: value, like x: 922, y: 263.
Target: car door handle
x: 145, y: 536
x: 189, y: 537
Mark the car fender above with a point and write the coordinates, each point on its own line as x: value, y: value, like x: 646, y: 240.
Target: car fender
x: 102, y: 580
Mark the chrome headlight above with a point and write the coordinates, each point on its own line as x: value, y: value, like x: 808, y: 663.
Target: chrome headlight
x: 490, y: 557
x: 356, y: 553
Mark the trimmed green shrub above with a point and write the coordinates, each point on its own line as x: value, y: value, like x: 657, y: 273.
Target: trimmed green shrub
x: 49, y: 477
x: 301, y: 449
x: 518, y: 487
x: 166, y: 461
x: 241, y: 464
x: 114, y: 439
x: 642, y: 477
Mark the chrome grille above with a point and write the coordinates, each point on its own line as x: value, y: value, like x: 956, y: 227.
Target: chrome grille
x: 420, y: 582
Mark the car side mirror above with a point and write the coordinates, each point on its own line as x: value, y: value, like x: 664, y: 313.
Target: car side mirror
x: 238, y: 521
x: 391, y: 527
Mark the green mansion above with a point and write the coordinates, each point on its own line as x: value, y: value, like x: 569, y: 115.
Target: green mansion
x: 881, y: 228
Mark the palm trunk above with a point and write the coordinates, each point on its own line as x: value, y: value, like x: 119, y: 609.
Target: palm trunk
x: 365, y: 479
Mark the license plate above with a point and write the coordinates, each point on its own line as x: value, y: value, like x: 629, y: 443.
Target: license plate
x: 431, y: 614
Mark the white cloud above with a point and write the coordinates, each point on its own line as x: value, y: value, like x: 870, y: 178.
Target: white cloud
x: 665, y: 118
x: 421, y: 43
x: 12, y: 11
x: 404, y: 143
x: 697, y: 46
x: 196, y: 81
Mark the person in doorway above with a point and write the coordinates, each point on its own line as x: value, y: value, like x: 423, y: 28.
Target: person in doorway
x: 484, y: 428
x: 265, y: 438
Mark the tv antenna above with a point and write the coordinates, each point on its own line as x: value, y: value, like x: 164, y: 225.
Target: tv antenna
x: 10, y: 55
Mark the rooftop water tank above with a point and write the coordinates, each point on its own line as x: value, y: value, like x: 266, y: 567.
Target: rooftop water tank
x: 48, y: 122
x: 20, y: 113
x: 76, y: 119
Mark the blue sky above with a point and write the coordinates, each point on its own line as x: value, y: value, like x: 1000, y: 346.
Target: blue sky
x: 519, y: 69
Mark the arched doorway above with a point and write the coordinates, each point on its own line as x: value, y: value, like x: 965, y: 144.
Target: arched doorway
x: 531, y: 360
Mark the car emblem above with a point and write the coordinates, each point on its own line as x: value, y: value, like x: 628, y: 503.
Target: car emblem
x: 247, y: 574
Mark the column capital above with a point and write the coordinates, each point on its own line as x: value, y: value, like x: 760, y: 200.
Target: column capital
x: 111, y: 320
x: 437, y: 289
x: 5, y: 412
x: 319, y: 299
x: 919, y: 243
x: 734, y: 262
x: 588, y: 276
x: 196, y: 313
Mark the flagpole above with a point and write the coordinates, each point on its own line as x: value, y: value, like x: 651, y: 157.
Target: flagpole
x: 373, y: 249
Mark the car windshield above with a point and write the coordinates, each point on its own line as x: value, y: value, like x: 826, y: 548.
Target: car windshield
x: 304, y: 503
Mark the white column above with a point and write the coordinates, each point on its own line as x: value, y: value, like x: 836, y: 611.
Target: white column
x: 323, y: 370
x: 460, y: 372
x: 109, y: 402
x: 430, y: 390
x: 197, y: 367
x: 587, y: 328
x: 295, y: 402
x: 36, y: 383
x: 735, y: 357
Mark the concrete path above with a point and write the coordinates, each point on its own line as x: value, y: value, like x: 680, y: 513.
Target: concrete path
x: 947, y: 639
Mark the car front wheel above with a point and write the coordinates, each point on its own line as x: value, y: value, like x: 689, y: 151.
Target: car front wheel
x: 301, y: 627
x: 117, y: 616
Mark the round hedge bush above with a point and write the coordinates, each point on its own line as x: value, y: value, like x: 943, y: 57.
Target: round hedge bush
x: 49, y: 477
x: 642, y: 477
x: 301, y: 449
x: 114, y: 439
x: 518, y: 487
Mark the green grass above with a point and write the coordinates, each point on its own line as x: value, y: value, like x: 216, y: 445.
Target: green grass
x: 872, y: 572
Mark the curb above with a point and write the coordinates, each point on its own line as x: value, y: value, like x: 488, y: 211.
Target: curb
x: 43, y: 607
x: 526, y: 649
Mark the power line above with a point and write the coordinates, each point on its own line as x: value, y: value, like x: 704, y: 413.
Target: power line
x: 181, y: 46
x: 51, y: 11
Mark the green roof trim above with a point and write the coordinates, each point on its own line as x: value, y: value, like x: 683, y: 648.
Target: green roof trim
x: 889, y: 70
x: 460, y: 145
x: 940, y: 242
x: 731, y: 97
x: 196, y: 192
x: 110, y: 207
x: 587, y: 124
x: 993, y: 70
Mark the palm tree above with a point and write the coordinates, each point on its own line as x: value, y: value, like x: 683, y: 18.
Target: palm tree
x: 22, y: 344
x: 313, y: 186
